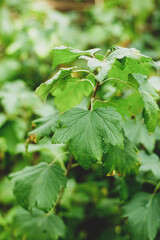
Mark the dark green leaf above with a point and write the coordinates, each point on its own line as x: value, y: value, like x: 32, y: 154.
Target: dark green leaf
x: 38, y: 225
x: 87, y: 131
x: 38, y: 185
x: 122, y: 161
x: 44, y: 127
x: 150, y: 112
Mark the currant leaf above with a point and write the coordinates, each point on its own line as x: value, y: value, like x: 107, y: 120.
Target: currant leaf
x: 45, y: 88
x: 64, y: 54
x: 151, y: 109
x: 44, y: 127
x: 72, y: 95
x: 143, y: 216
x: 87, y: 131
x: 122, y: 161
x: 44, y: 226
x: 38, y: 186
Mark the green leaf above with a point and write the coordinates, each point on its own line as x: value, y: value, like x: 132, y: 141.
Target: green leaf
x: 38, y: 185
x: 121, y: 69
x: 151, y: 109
x: 137, y: 133
x: 118, y: 71
x: 135, y: 66
x: 64, y: 54
x: 44, y: 127
x: 3, y: 119
x: 133, y: 53
x: 122, y: 161
x: 45, y: 88
x: 155, y: 82
x: 120, y: 104
x: 87, y: 131
x: 143, y: 213
x: 135, y: 103
x: 150, y: 163
x: 72, y: 95
x: 38, y: 224
x: 103, y: 67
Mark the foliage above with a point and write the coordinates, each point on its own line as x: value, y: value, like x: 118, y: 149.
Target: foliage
x: 94, y: 135
x: 88, y: 165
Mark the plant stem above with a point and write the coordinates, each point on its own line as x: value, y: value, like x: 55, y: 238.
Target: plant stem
x: 154, y: 193
x: 87, y: 80
x: 119, y: 80
x: 156, y: 188
x: 69, y: 166
x: 93, y: 96
x: 106, y: 55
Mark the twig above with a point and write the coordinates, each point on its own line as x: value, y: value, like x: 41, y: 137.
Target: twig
x: 93, y: 96
x: 69, y: 166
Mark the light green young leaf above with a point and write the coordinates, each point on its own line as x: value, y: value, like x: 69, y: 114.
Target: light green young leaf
x: 122, y: 161
x: 118, y: 71
x: 123, y: 69
x: 120, y: 104
x: 87, y: 131
x: 150, y: 163
x: 44, y: 127
x: 135, y: 66
x: 151, y: 109
x: 64, y: 54
x: 38, y: 185
x: 45, y: 88
x: 72, y: 95
x: 143, y: 213
x: 44, y: 226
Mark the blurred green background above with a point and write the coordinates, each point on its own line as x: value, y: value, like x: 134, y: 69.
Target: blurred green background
x: 29, y: 29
